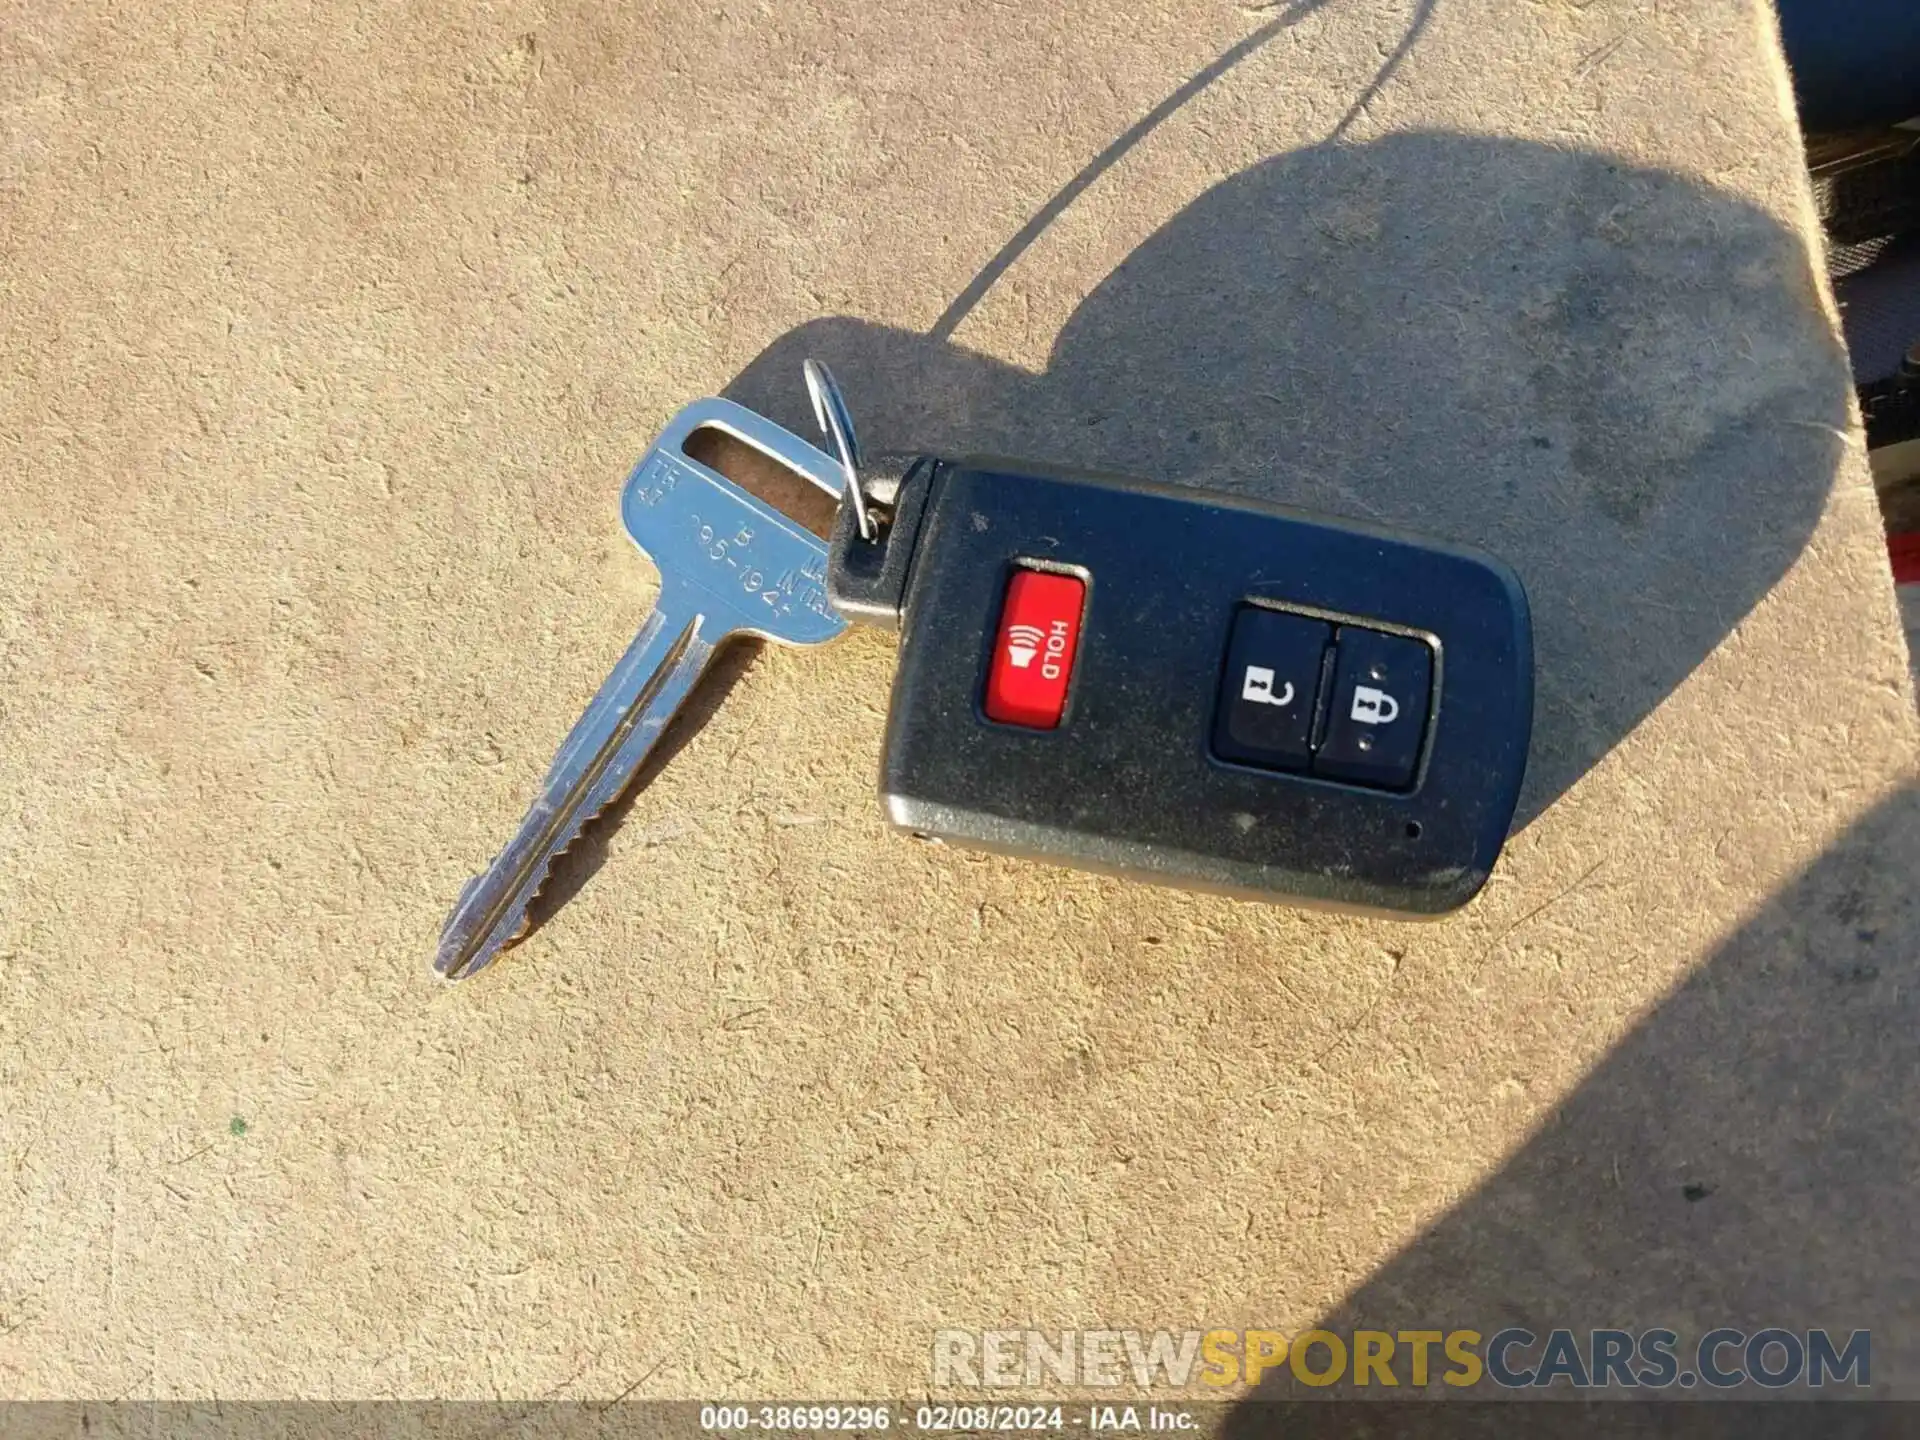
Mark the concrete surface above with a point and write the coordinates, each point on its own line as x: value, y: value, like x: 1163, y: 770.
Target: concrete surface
x: 331, y: 330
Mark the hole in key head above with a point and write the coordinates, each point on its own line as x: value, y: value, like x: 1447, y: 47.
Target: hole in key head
x: 1413, y: 829
x: 764, y: 478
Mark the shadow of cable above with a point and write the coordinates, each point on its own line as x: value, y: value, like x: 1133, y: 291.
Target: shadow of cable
x: 1595, y: 371
x: 1291, y: 15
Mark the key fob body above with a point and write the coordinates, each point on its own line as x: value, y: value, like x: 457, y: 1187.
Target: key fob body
x: 1193, y: 689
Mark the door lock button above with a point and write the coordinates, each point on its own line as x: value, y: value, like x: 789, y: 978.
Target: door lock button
x: 1264, y: 715
x: 1377, y: 709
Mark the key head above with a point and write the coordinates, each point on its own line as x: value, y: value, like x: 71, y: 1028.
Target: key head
x: 722, y: 551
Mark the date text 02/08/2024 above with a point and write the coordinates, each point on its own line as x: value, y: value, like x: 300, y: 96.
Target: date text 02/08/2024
x: 964, y: 1417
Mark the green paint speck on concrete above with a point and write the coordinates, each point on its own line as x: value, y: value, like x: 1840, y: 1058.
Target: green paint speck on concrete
x: 236, y: 1126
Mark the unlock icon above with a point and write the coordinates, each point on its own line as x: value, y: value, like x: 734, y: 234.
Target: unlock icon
x: 1374, y: 707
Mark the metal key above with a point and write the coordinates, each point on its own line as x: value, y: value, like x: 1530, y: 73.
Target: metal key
x: 730, y: 564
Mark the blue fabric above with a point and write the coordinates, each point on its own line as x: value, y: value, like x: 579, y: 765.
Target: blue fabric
x: 1855, y: 62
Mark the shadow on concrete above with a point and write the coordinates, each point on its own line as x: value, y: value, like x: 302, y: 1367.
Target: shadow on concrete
x: 1739, y: 1160
x: 1594, y: 371
x: 1600, y: 373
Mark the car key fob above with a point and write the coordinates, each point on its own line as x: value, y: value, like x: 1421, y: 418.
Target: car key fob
x: 1194, y: 689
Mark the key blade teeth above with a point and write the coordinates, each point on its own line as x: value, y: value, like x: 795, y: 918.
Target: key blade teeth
x: 465, y: 950
x: 596, y: 765
x: 486, y: 920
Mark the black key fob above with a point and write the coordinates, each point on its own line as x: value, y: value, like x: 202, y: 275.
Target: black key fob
x: 1192, y: 689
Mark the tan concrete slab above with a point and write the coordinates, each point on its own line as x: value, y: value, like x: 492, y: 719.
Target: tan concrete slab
x: 331, y: 331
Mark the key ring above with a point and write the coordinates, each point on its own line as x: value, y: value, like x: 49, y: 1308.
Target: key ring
x: 836, y: 421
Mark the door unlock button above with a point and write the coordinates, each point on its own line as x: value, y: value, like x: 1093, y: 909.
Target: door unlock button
x: 1378, y: 714
x: 1264, y: 715
x: 1257, y: 685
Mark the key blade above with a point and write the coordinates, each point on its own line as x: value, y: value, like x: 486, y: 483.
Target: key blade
x: 733, y: 562
x: 595, y: 765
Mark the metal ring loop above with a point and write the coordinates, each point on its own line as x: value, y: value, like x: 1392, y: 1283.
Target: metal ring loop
x: 836, y: 421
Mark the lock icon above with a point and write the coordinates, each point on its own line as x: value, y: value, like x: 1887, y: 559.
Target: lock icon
x: 1374, y: 707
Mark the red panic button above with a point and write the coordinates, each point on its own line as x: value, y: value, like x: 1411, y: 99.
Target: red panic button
x: 1033, y: 653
